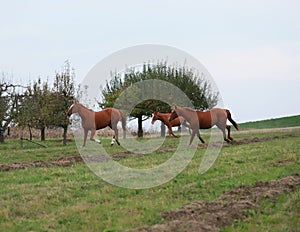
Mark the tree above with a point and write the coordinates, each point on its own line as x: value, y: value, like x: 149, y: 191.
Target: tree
x: 34, y: 110
x: 9, y: 98
x: 7, y: 106
x: 24, y: 118
x: 41, y: 106
x: 196, y: 88
x: 61, y: 98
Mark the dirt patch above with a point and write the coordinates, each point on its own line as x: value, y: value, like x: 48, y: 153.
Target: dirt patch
x: 262, y: 139
x: 64, y: 161
x: 230, y: 206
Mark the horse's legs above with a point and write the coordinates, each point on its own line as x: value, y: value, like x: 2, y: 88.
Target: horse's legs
x: 93, y: 131
x: 113, y: 141
x: 116, y: 134
x: 198, y: 134
x: 92, y: 136
x: 222, y: 128
x: 224, y: 135
x: 192, y: 136
x: 228, y: 129
x: 84, y: 137
x: 171, y: 132
x: 184, y: 123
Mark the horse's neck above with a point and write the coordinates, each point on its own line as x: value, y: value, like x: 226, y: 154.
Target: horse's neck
x: 188, y: 114
x: 163, y: 117
x: 84, y: 112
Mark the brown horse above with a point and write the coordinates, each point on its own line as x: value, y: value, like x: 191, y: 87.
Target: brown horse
x: 165, y: 119
x: 92, y: 121
x: 205, y: 120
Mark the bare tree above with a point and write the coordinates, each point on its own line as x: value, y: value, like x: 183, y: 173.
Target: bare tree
x: 8, y: 104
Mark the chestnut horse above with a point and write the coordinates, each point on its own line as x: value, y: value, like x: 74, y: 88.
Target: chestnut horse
x: 92, y: 121
x: 165, y: 119
x: 205, y: 120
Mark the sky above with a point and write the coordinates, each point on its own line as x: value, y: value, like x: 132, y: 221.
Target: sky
x: 251, y: 48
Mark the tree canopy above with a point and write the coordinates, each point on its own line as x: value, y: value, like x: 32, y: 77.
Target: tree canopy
x: 196, y: 88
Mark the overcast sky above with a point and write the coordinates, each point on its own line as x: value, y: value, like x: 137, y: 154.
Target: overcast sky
x: 250, y: 47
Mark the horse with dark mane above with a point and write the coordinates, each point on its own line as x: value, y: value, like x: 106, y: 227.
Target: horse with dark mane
x: 92, y: 121
x: 164, y: 117
x: 205, y: 120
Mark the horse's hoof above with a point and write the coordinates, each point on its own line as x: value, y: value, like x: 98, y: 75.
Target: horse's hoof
x: 97, y: 141
x: 112, y: 142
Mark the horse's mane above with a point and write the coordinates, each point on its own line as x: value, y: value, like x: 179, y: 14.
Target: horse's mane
x: 189, y: 109
x: 84, y: 107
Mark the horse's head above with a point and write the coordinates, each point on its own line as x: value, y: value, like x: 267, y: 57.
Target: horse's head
x: 173, y: 114
x: 73, y: 109
x: 155, y: 117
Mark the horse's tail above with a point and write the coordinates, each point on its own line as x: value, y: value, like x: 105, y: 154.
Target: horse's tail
x: 231, y: 120
x: 123, y: 120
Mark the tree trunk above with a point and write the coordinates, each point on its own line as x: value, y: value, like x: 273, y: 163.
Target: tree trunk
x: 2, y: 130
x: 30, y: 133
x: 162, y: 130
x: 65, y: 135
x: 43, y: 133
x: 179, y: 129
x: 140, y: 126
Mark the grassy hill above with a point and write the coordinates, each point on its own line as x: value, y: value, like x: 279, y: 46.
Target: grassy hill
x: 272, y: 123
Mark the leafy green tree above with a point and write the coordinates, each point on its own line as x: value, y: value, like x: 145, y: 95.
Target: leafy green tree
x: 24, y: 118
x: 197, y: 89
x: 62, y: 94
x: 42, y: 106
x: 34, y: 108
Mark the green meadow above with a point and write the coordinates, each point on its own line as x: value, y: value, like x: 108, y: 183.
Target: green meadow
x: 73, y: 198
x: 290, y: 121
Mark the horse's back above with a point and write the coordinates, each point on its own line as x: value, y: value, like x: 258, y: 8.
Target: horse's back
x: 103, y: 118
x: 118, y: 114
x: 212, y: 117
x: 221, y: 112
x: 218, y: 116
x: 205, y: 119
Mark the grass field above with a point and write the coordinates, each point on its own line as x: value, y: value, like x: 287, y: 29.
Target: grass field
x: 73, y: 198
x: 291, y: 121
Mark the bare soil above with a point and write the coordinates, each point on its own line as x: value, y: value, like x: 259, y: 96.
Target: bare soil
x: 231, y: 206
x: 63, y: 161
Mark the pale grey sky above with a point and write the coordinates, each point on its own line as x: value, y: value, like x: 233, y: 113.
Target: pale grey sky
x: 250, y: 47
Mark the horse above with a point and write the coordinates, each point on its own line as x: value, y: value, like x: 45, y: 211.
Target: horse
x: 164, y: 117
x: 92, y: 121
x: 205, y: 120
